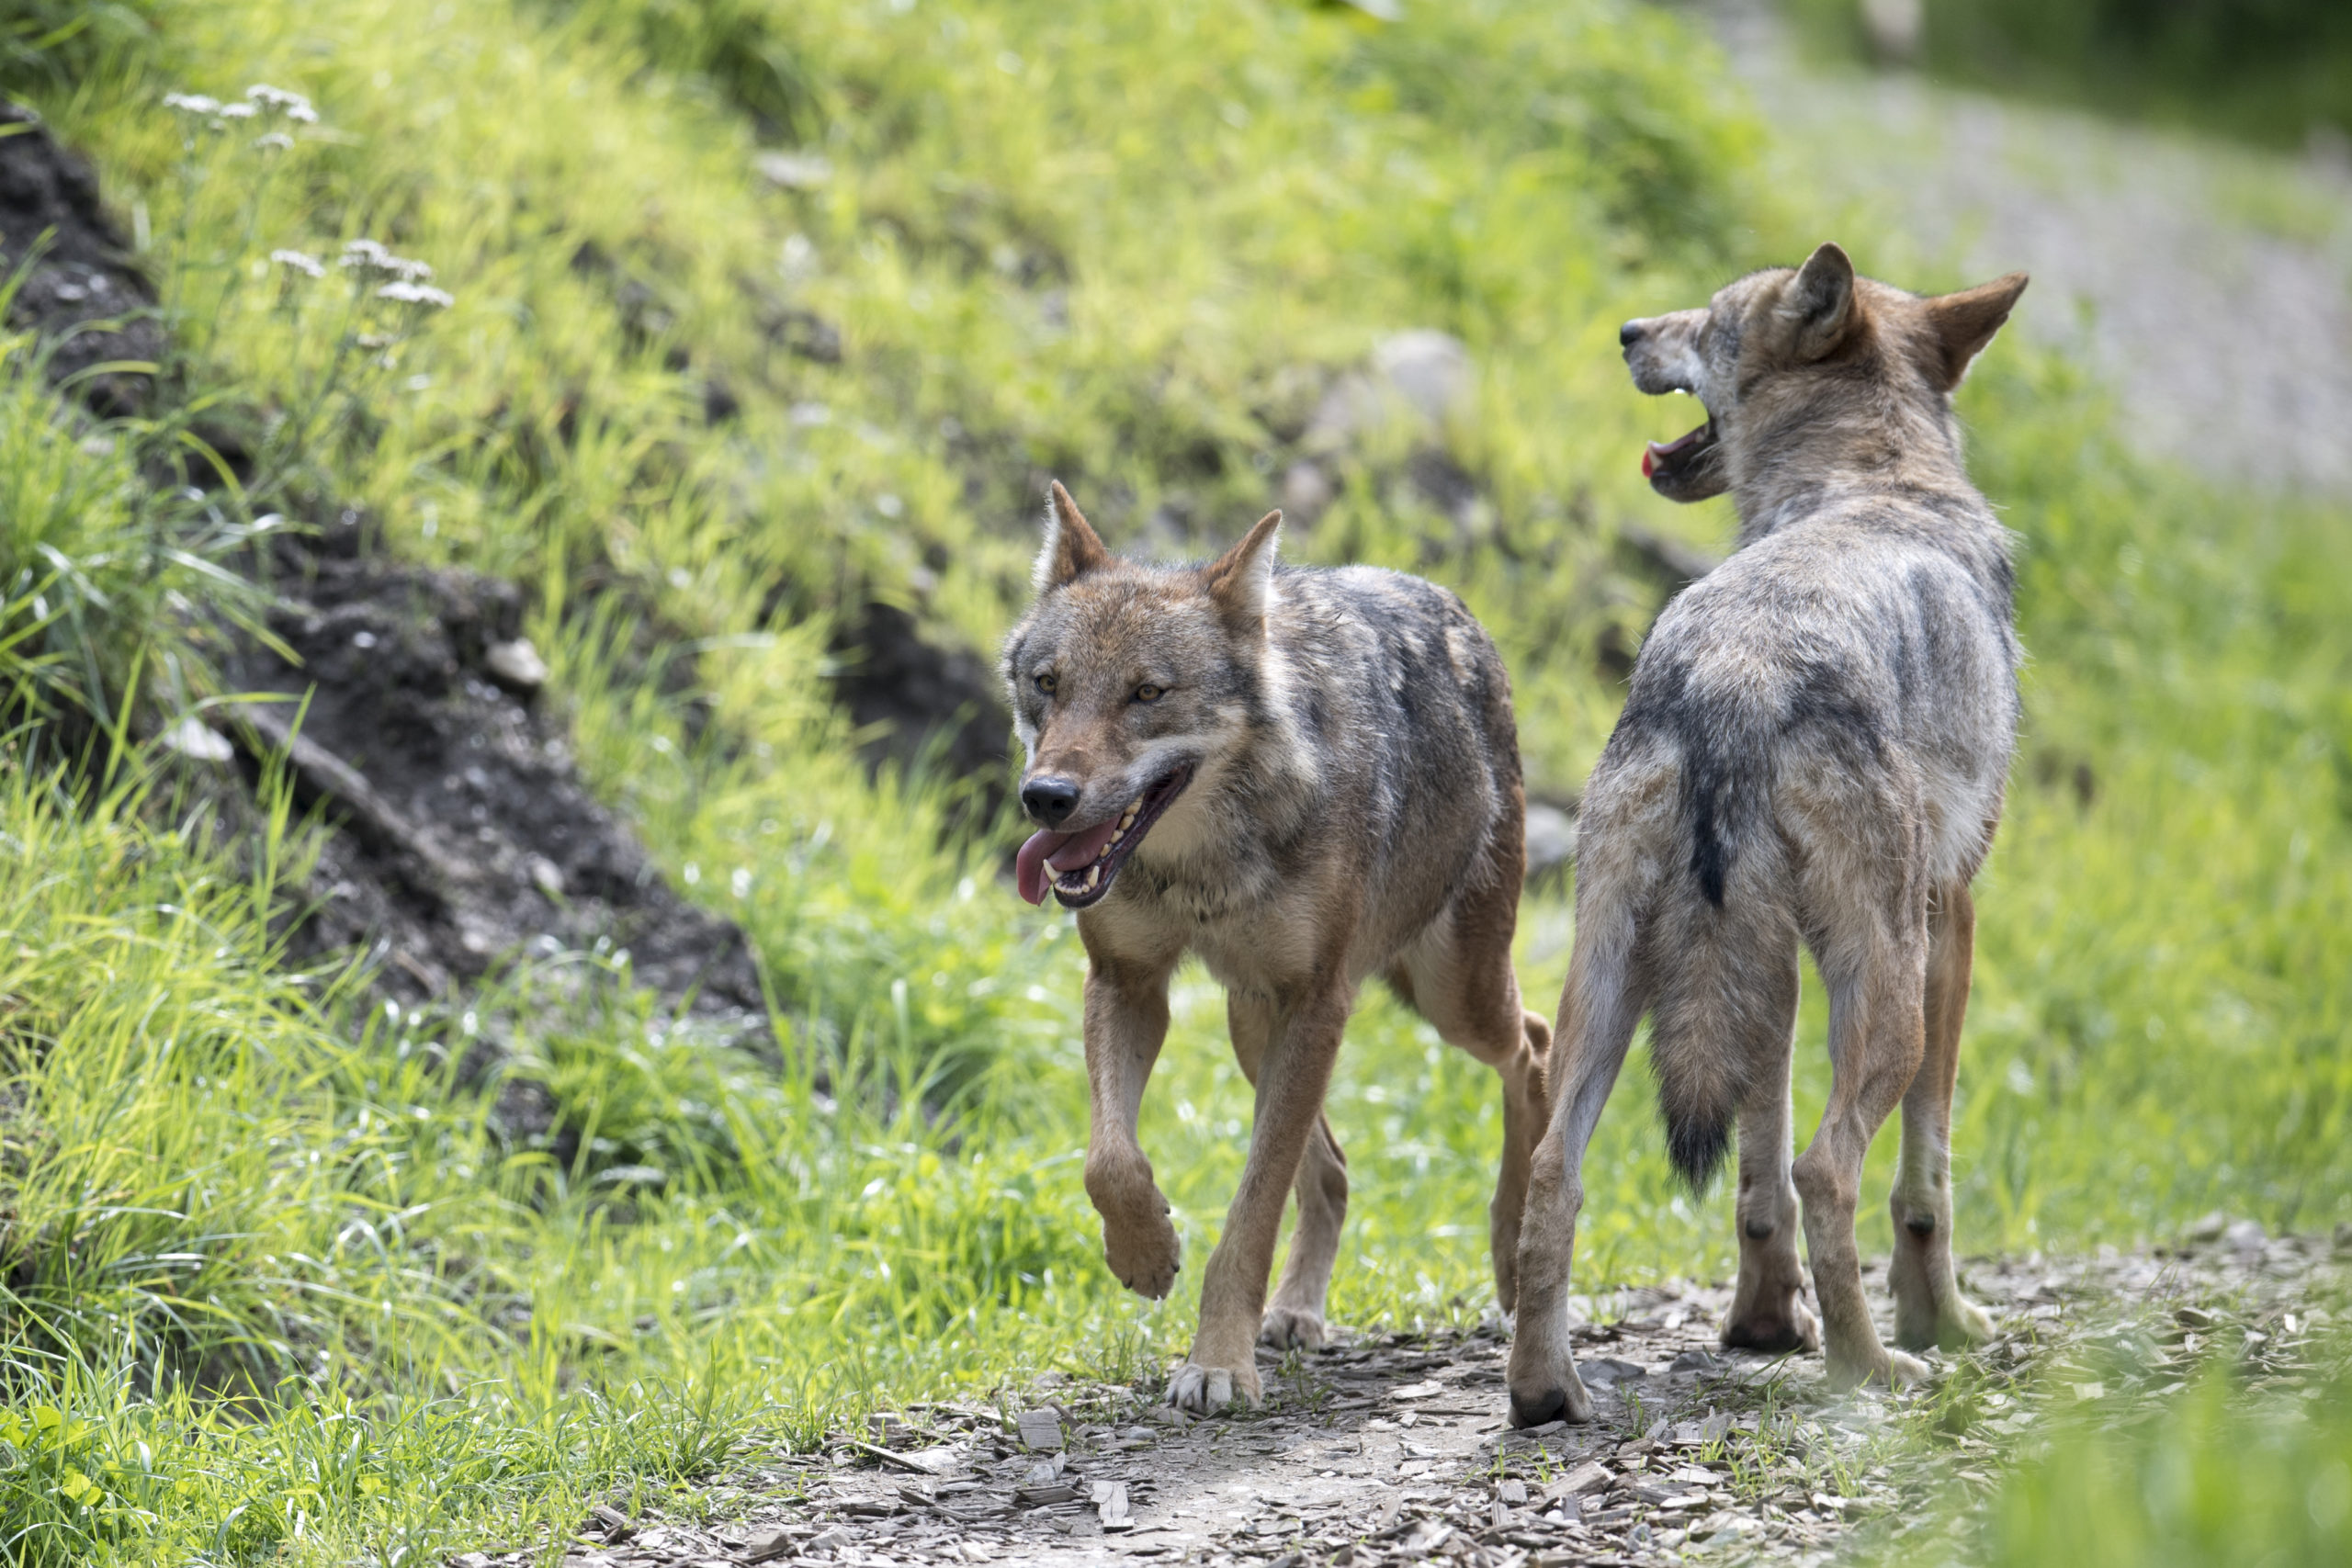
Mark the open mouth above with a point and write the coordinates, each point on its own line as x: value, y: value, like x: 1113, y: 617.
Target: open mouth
x: 1080, y: 867
x: 1670, y: 466
x: 1690, y: 467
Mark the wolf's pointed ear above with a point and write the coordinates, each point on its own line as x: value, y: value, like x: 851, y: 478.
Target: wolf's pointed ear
x: 1241, y: 580
x: 1820, y: 301
x: 1964, y: 323
x: 1070, y: 547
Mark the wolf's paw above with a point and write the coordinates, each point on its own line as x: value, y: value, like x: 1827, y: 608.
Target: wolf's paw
x: 1286, y: 1327
x: 1955, y: 1324
x: 1543, y: 1390
x: 1890, y: 1368
x: 1141, y: 1248
x: 1793, y: 1327
x: 1201, y: 1389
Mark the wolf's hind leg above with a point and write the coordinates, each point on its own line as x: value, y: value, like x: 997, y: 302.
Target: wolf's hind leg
x: 1458, y: 976
x: 1877, y: 1029
x: 1928, y: 1308
x: 1295, y: 1314
x: 1599, y: 1008
x: 1127, y: 1021
x: 1769, y: 1309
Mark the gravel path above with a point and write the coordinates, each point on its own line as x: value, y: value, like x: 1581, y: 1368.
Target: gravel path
x: 2210, y: 286
x: 1391, y: 1447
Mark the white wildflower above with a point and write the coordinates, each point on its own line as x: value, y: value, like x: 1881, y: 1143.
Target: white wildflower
x: 192, y: 103
x: 277, y: 100
x: 410, y: 269
x: 415, y: 294
x: 298, y: 261
x: 238, y: 111
x: 365, y: 257
x: 274, y: 141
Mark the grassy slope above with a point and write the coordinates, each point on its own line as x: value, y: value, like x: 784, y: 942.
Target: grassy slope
x: 1051, y: 245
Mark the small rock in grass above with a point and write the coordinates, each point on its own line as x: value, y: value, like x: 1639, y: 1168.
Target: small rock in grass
x: 2244, y: 1235
x: 2208, y: 1228
x: 1513, y: 1492
x: 193, y: 741
x: 795, y: 171
x: 831, y: 1540
x: 1551, y: 841
x: 516, y: 665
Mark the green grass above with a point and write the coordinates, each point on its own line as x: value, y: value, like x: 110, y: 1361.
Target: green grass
x: 281, y: 1241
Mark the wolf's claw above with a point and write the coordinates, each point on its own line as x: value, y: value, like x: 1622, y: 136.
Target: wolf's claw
x: 1794, y: 1328
x: 1288, y: 1326
x: 1201, y: 1389
x: 1892, y: 1369
x: 1142, y: 1250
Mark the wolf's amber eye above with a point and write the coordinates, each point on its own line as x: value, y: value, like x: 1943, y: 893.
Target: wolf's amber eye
x: 1045, y: 683
x: 1147, y: 692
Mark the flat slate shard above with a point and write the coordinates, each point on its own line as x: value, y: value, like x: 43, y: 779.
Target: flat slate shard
x: 1041, y: 1431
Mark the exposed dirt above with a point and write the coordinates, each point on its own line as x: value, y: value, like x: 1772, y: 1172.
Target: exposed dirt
x: 917, y: 700
x: 49, y: 208
x: 463, y: 831
x: 1392, y: 1447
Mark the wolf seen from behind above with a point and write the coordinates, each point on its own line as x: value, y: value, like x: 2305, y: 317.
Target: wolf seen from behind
x: 1304, y: 777
x: 1813, y: 751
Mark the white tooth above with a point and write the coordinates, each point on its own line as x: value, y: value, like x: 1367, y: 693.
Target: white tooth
x: 1093, y: 876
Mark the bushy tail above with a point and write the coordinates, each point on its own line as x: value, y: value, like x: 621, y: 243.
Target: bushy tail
x: 1726, y: 1003
x: 1698, y: 1113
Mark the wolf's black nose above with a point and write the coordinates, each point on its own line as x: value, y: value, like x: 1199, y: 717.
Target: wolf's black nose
x: 1627, y: 334
x: 1050, y: 801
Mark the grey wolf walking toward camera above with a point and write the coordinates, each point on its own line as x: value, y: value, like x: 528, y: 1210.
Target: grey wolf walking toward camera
x: 1815, y: 750
x: 1303, y: 777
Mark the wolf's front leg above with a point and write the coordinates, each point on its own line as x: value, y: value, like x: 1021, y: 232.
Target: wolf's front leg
x: 1292, y: 1079
x: 1127, y: 1021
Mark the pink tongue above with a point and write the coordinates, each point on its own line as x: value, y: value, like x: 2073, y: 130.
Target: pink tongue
x: 1029, y: 866
x: 1048, y: 851
x: 1082, y: 848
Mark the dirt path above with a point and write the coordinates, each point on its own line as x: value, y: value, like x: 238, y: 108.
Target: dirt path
x: 2210, y: 286
x: 1392, y: 1447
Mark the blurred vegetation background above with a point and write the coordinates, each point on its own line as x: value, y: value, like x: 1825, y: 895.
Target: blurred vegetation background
x: 2277, y: 72
x: 760, y: 314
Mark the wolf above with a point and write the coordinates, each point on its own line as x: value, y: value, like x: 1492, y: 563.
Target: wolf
x: 1814, y: 751
x: 1303, y: 777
